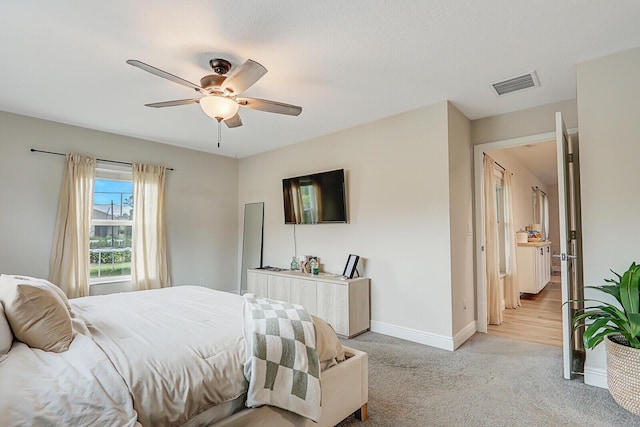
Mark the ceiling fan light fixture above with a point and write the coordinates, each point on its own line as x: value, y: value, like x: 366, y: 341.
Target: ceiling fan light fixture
x: 218, y: 107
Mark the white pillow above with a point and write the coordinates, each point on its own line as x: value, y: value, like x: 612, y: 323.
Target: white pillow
x: 6, y: 336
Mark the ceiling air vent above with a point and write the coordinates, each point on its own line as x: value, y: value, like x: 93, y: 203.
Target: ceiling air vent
x: 515, y: 84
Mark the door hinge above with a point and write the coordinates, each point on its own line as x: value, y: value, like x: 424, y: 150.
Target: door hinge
x: 573, y: 234
x: 482, y: 248
x: 570, y: 158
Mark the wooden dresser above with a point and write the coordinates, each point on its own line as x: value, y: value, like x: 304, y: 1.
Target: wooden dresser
x: 343, y: 303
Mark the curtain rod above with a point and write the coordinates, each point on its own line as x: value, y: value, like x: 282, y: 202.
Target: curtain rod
x: 33, y: 150
x: 536, y: 188
x: 498, y: 164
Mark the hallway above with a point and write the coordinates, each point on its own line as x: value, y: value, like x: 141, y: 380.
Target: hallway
x: 538, y: 320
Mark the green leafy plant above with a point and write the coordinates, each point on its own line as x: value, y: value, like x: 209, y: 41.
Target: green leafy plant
x: 607, y: 319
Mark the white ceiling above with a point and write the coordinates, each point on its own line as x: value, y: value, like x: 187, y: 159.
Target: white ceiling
x: 345, y: 62
x: 540, y: 159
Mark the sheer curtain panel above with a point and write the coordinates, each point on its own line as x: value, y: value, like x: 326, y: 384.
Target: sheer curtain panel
x: 492, y: 275
x: 149, y: 266
x: 511, y: 286
x: 69, y: 263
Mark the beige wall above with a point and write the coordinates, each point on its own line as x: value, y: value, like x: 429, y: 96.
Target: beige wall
x: 398, y: 197
x: 531, y: 121
x: 608, y: 108
x: 461, y: 223
x: 201, y: 199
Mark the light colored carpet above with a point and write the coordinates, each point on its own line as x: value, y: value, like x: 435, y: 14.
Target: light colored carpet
x: 488, y: 381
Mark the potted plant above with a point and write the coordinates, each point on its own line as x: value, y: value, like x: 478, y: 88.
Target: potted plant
x: 619, y: 327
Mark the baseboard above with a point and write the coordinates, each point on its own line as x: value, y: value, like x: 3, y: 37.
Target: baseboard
x: 414, y: 335
x: 464, y: 334
x: 595, y: 377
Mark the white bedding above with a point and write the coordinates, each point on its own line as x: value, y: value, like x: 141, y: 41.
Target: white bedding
x: 40, y: 388
x: 181, y: 349
x: 167, y: 357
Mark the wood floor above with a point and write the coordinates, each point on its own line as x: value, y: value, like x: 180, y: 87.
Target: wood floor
x: 538, y: 320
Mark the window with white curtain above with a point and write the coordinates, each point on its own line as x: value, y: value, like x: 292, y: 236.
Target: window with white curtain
x: 111, y: 226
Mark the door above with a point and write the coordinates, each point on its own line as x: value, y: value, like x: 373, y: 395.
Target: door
x: 570, y: 247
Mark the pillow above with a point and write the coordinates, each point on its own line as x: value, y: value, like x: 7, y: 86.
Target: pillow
x: 55, y: 288
x: 328, y: 346
x: 6, y: 336
x: 36, y: 313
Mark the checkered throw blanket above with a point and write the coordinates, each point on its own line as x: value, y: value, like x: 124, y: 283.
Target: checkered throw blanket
x: 282, y: 364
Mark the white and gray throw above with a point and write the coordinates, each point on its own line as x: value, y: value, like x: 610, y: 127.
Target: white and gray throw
x: 282, y: 364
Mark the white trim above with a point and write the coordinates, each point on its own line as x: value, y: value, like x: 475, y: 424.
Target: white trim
x: 596, y: 377
x: 464, y: 334
x: 414, y: 335
x: 109, y: 279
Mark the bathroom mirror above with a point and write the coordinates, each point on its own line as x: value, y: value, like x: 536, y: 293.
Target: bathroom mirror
x: 251, y: 240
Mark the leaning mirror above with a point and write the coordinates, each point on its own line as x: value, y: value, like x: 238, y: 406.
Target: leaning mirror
x: 251, y: 240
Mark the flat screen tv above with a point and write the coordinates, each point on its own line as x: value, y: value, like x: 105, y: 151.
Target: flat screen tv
x: 315, y: 199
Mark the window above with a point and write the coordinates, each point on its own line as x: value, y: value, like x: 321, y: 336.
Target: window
x: 111, y: 226
x: 307, y: 189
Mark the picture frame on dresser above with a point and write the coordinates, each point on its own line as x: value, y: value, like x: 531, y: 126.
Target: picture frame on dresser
x: 350, y: 266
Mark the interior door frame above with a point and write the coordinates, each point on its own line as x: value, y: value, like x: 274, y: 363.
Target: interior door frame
x: 478, y: 150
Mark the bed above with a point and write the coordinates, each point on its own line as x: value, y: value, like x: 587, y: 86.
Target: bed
x: 168, y: 357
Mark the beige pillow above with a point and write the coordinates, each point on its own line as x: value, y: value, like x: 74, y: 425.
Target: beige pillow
x: 55, y: 288
x: 36, y: 313
x: 328, y: 346
x: 6, y: 336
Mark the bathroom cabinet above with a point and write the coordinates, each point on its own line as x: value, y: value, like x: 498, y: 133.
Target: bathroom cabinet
x: 534, y: 266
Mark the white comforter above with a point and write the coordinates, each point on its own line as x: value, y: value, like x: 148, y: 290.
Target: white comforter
x: 180, y: 350
x: 40, y: 388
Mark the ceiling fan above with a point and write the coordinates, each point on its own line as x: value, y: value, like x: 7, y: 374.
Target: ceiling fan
x: 221, y: 100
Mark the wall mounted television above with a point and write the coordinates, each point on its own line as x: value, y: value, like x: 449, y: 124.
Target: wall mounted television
x: 317, y: 198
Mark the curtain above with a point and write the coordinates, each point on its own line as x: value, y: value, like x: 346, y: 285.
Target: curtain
x: 541, y: 214
x: 494, y: 311
x: 545, y: 217
x: 317, y: 200
x: 69, y: 263
x: 511, y: 286
x: 149, y: 266
x: 296, y: 201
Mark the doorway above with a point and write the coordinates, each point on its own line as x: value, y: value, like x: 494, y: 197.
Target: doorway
x: 564, y: 192
x: 534, y: 176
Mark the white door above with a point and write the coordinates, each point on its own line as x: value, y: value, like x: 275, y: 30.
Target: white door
x: 566, y: 258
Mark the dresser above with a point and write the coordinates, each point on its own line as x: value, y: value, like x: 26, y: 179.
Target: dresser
x: 343, y: 303
x: 534, y: 266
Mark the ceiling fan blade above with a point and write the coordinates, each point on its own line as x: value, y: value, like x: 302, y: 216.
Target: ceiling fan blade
x: 270, y: 106
x: 158, y: 72
x: 243, y: 77
x: 173, y: 103
x: 234, y: 122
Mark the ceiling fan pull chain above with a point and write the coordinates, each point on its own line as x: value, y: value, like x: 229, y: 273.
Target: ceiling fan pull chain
x: 219, y: 132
